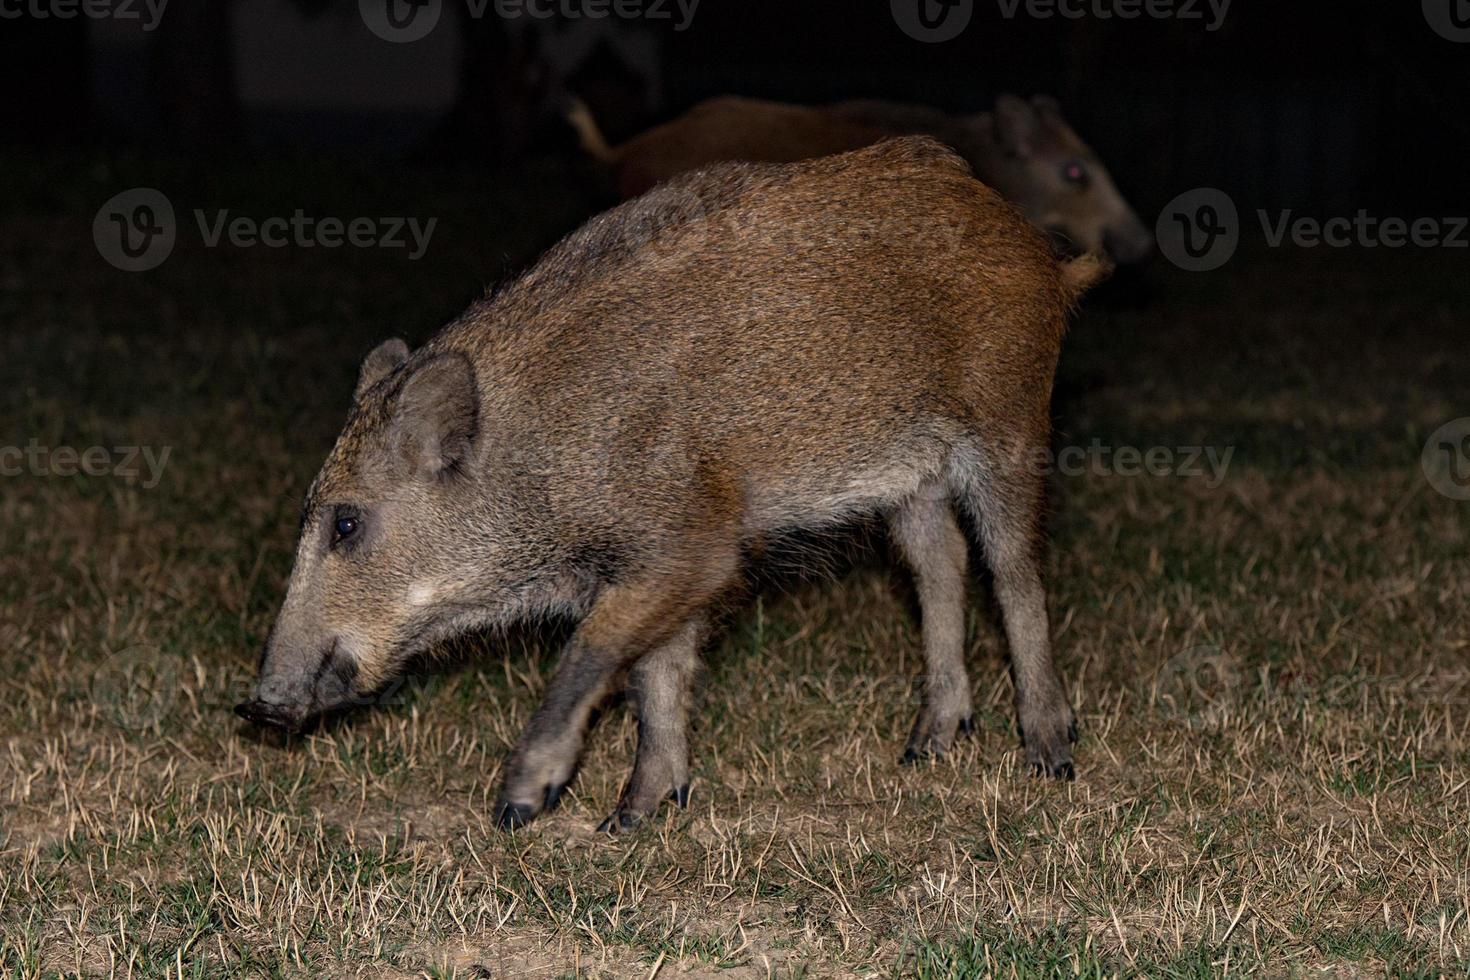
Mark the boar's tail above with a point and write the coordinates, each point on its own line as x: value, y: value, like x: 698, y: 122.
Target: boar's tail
x: 589, y: 134
x: 1081, y: 273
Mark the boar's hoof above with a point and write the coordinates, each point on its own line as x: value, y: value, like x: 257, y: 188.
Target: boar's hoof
x: 619, y: 821
x: 626, y: 817
x: 513, y: 816
x: 553, y: 796
x: 1049, y: 748
x: 629, y: 813
x: 1055, y: 770
x: 1051, y: 761
x: 934, y: 734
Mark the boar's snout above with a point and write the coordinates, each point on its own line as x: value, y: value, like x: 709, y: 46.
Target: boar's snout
x: 296, y: 687
x: 1128, y: 242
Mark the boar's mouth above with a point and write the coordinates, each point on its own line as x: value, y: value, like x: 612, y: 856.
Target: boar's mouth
x: 289, y: 703
x: 1062, y: 242
x: 266, y: 715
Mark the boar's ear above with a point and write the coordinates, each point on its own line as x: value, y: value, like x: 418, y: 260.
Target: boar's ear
x: 1015, y: 125
x: 437, y: 413
x: 382, y: 361
x: 1050, y: 122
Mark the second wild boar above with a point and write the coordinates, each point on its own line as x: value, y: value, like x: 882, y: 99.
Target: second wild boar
x: 1025, y: 149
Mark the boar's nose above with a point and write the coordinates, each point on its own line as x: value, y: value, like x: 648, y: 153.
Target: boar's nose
x: 268, y: 715
x: 1128, y: 243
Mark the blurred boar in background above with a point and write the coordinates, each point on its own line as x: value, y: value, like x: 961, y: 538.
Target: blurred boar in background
x: 1024, y: 149
x: 742, y: 353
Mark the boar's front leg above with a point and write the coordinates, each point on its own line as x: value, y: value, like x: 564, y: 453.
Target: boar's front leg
x: 626, y: 621
x: 659, y: 685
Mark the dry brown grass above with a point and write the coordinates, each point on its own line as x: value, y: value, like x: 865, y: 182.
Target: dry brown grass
x: 1272, y: 675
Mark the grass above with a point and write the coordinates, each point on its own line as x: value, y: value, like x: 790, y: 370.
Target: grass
x: 1272, y: 673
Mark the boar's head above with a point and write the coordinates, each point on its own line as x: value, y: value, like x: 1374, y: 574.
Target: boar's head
x: 387, y: 558
x: 1037, y: 161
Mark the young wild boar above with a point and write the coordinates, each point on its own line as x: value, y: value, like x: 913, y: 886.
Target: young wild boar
x: 745, y: 352
x: 1025, y: 149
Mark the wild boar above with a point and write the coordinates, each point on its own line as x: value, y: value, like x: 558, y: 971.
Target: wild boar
x: 745, y: 352
x: 1025, y: 149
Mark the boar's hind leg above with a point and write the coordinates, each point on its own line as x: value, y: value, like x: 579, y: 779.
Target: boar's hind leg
x: 626, y: 621
x: 659, y: 685
x: 1005, y: 498
x: 932, y: 545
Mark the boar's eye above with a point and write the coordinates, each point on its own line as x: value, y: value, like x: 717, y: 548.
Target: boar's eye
x: 346, y: 522
x: 1074, y: 173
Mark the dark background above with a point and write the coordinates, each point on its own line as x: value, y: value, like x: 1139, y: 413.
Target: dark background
x: 1322, y: 108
